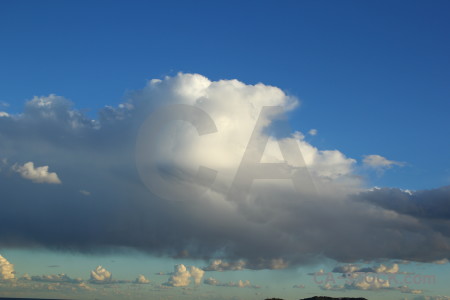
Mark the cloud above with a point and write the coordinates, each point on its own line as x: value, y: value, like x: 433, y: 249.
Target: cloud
x: 437, y: 297
x: 321, y: 272
x: 101, y: 275
x: 211, y: 281
x: 181, y: 277
x: 141, y: 280
x: 85, y: 193
x: 346, y: 269
x: 298, y: 286
x: 197, y: 274
x: 162, y: 273
x: 54, y: 278
x: 36, y: 175
x: 312, y: 132
x: 238, y: 284
x: 350, y: 268
x: 221, y: 265
x: 6, y: 269
x: 380, y: 162
x: 423, y: 205
x: 386, y: 269
x: 273, y: 227
x: 369, y: 283
x: 441, y: 261
x: 3, y: 114
x: 360, y: 282
x: 407, y: 290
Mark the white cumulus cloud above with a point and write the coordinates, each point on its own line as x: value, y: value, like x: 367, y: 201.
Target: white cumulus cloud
x: 100, y: 275
x: 141, y: 279
x: 182, y: 275
x: 6, y: 269
x: 378, y: 161
x: 37, y: 174
x: 312, y: 132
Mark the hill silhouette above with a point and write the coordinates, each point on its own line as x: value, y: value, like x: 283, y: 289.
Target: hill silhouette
x: 323, y: 298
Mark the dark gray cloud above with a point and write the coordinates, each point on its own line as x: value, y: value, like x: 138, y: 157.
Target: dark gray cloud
x: 426, y: 204
x: 273, y: 227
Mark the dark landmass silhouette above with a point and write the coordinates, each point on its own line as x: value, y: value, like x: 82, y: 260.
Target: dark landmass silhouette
x: 6, y: 298
x: 323, y: 298
x: 332, y: 298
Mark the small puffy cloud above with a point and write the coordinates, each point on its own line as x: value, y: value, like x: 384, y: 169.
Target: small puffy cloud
x: 238, y: 284
x: 85, y: 193
x: 100, y: 275
x: 386, y: 269
x: 197, y: 274
x: 36, y: 174
x: 318, y: 273
x: 6, y: 269
x: 329, y: 287
x: 407, y: 290
x: 3, y: 114
x: 84, y: 286
x: 345, y: 269
x: 441, y: 261
x: 220, y: 265
x: 270, y: 264
x: 312, y: 132
x: 380, y: 162
x: 181, y: 277
x: 437, y: 297
x: 368, y: 283
x: 375, y: 269
x: 211, y: 281
x: 141, y: 280
x: 258, y: 264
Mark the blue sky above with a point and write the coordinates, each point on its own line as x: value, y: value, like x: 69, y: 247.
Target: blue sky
x: 360, y: 68
x: 371, y: 77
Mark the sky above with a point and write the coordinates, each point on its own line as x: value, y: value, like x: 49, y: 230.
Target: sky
x: 139, y: 156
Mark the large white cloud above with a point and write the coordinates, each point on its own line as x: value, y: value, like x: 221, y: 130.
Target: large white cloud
x: 271, y: 228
